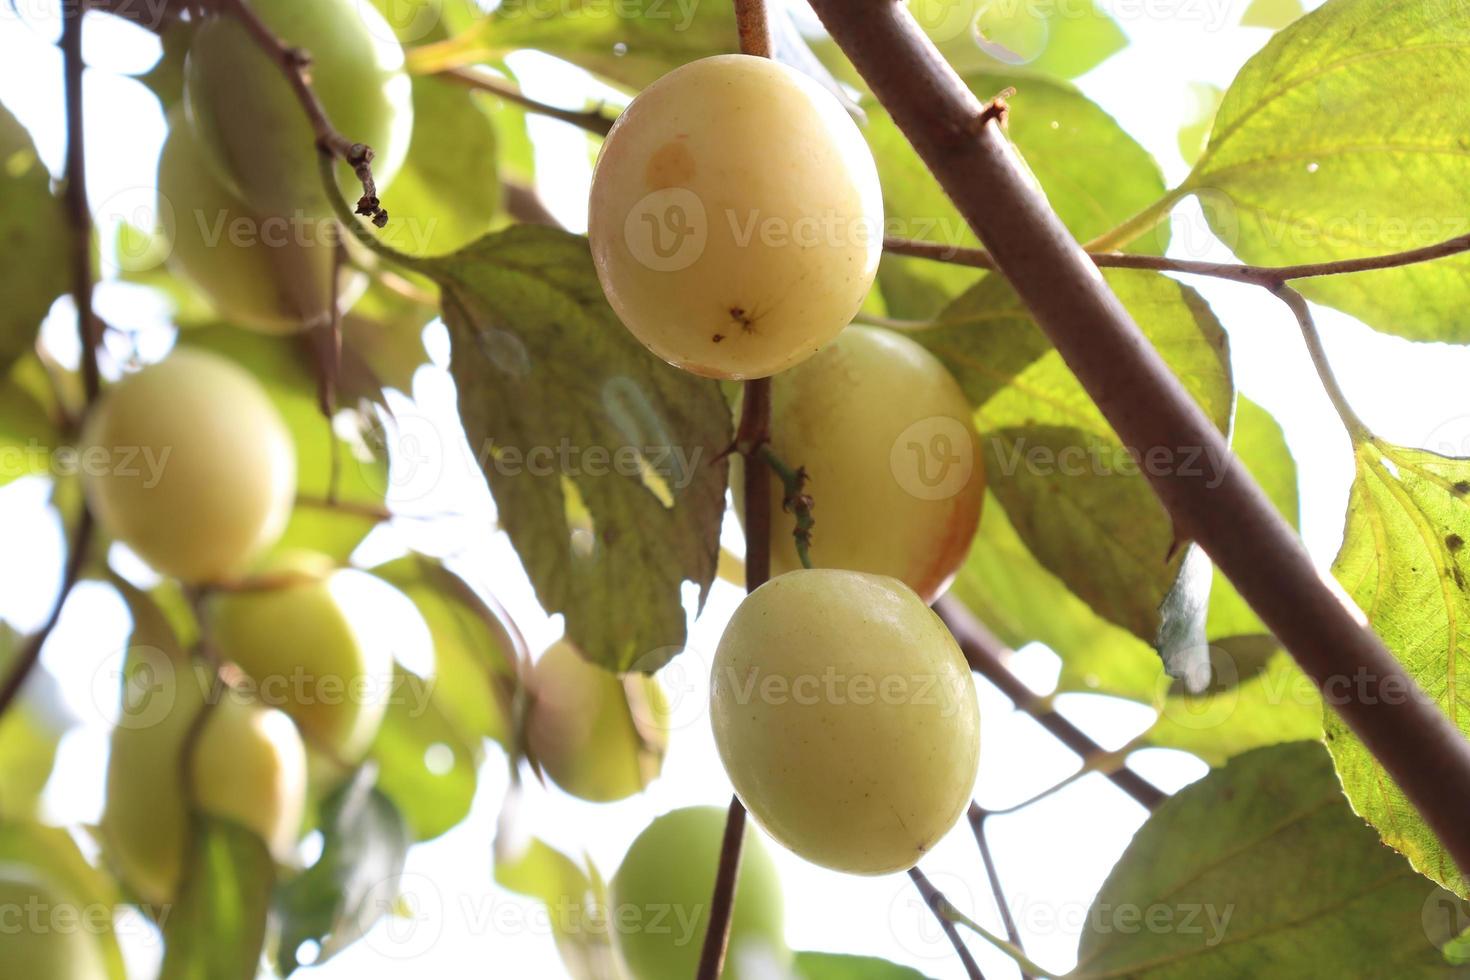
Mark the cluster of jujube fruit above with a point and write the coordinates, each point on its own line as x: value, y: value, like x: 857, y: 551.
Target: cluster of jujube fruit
x: 842, y: 708
x: 735, y: 224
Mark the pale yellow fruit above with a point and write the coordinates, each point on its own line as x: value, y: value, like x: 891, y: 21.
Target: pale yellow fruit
x: 847, y: 719
x: 292, y: 635
x: 893, y: 463
x: 598, y: 736
x: 267, y: 273
x: 189, y: 464
x: 43, y: 932
x: 736, y: 217
x: 249, y: 766
x: 252, y: 124
x: 659, y: 901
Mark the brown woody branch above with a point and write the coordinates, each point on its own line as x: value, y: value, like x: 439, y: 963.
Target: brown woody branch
x: 295, y: 65
x: 79, y: 220
x: 986, y: 655
x: 977, y: 816
x: 1146, y: 404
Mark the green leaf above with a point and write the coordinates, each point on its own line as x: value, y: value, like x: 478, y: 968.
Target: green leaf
x: 1317, y: 155
x: 1022, y: 602
x: 837, y: 966
x: 1261, y: 870
x: 33, y: 226
x: 631, y: 43
x: 426, y: 765
x: 1194, y: 133
x: 28, y: 429
x: 1273, y: 14
x: 336, y: 901
x: 1064, y: 39
x: 1404, y: 561
x: 1061, y: 135
x: 448, y: 191
x: 565, y: 409
x: 1073, y: 493
x: 284, y: 366
x: 217, y: 927
x: 575, y: 899
x: 476, y: 646
x: 53, y: 853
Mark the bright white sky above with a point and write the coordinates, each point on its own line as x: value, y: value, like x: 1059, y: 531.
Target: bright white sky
x: 1052, y: 858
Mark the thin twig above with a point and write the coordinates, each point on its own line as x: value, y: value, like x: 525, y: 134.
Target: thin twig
x: 986, y: 656
x: 795, y: 500
x: 375, y: 512
x: 592, y: 120
x: 977, y: 826
x: 295, y: 64
x: 78, y: 211
x: 1303, y: 313
x: 79, y: 218
x: 750, y: 441
x: 1256, y: 275
x: 942, y: 909
x: 1028, y: 966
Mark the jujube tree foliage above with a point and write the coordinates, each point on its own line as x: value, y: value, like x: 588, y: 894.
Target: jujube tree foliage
x: 832, y: 288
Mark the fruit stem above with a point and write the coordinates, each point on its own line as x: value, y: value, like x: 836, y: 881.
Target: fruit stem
x: 977, y: 817
x: 354, y: 227
x: 796, y: 501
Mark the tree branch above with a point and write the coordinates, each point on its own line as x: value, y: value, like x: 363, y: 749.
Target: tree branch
x: 79, y: 219
x: 941, y: 907
x: 592, y: 120
x: 294, y: 64
x: 750, y: 440
x: 1256, y: 275
x: 1148, y: 406
x: 977, y: 826
x: 986, y: 656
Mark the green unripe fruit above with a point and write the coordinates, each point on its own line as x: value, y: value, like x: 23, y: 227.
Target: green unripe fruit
x: 189, y: 464
x: 598, y: 736
x: 291, y: 634
x: 736, y: 218
x: 272, y: 274
x: 254, y: 127
x: 882, y: 429
x: 659, y: 901
x: 248, y: 766
x: 846, y: 717
x: 45, y: 933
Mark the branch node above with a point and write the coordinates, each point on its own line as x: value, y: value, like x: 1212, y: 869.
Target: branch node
x: 998, y: 110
